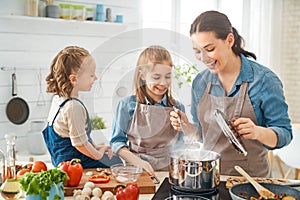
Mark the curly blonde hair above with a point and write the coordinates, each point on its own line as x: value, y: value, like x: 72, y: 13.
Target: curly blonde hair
x: 147, y: 60
x: 65, y: 63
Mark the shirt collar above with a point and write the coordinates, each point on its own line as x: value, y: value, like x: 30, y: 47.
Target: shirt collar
x: 162, y: 102
x: 246, y: 73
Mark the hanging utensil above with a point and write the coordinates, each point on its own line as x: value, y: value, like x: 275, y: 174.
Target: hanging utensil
x: 41, y: 99
x: 17, y: 109
x: 261, y: 190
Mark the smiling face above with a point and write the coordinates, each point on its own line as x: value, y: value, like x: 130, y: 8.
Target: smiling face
x: 158, y: 80
x: 213, y: 52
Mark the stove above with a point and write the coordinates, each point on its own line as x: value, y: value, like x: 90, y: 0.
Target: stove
x: 166, y: 191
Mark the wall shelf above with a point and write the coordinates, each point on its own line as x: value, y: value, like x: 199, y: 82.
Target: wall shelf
x: 50, y: 26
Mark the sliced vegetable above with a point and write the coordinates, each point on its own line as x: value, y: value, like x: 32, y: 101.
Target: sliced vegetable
x: 99, y: 178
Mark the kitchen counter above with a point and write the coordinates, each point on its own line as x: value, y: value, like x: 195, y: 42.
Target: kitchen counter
x: 160, y: 175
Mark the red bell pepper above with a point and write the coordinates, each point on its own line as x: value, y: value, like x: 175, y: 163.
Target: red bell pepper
x: 130, y: 191
x: 99, y: 178
x: 74, y: 170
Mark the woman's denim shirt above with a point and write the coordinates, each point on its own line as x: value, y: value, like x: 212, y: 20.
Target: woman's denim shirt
x: 123, y: 116
x: 265, y: 91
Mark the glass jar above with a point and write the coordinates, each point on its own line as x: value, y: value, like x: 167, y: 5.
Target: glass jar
x: 32, y: 8
x: 65, y: 11
x: 10, y: 189
x: 89, y: 14
x: 78, y: 12
x: 2, y: 167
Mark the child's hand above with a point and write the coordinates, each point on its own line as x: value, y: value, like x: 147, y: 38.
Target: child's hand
x: 147, y: 167
x: 104, y: 149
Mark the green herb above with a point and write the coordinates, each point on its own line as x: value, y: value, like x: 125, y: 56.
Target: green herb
x: 97, y: 123
x: 41, y: 182
x: 185, y: 73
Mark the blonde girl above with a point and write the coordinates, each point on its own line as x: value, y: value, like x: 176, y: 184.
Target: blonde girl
x: 67, y: 134
x: 142, y: 134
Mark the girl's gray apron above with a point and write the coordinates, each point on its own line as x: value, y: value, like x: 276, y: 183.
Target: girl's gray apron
x: 256, y: 163
x: 151, y: 135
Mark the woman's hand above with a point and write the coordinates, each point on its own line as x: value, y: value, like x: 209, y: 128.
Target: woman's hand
x: 177, y: 117
x: 248, y: 130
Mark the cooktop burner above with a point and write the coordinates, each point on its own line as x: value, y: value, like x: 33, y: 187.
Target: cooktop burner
x: 166, y: 191
x: 182, y: 192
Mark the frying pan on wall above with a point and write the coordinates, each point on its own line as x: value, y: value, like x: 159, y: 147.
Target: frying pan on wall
x: 17, y: 110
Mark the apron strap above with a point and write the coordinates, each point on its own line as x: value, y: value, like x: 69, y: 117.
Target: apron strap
x: 208, y: 88
x: 61, y: 105
x: 87, y: 114
x: 241, y: 100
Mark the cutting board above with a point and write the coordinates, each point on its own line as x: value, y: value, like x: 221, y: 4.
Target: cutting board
x: 144, y: 182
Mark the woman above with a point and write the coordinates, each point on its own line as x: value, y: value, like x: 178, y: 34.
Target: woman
x: 249, y: 94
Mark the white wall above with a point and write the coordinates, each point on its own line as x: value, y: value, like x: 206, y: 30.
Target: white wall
x: 28, y: 45
x: 290, y: 53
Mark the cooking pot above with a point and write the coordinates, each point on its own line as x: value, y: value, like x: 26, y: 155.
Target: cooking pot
x: 194, y: 170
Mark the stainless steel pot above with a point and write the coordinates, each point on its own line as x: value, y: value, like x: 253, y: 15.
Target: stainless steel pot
x: 194, y: 170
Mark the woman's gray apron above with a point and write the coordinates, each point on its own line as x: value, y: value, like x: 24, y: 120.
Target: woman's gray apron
x: 256, y: 163
x: 151, y: 135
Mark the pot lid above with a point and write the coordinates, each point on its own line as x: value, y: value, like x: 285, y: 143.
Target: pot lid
x: 224, y: 125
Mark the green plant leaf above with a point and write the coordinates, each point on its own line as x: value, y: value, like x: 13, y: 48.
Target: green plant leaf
x: 41, y: 182
x: 185, y: 73
x: 97, y: 123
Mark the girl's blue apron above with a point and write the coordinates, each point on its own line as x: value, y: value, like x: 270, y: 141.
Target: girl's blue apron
x: 61, y: 149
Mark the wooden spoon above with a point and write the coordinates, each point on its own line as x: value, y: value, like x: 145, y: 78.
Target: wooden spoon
x: 262, y: 191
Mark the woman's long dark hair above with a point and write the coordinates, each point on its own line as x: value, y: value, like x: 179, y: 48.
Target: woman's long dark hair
x: 221, y: 26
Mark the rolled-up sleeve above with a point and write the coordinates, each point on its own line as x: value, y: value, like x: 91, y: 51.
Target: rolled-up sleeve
x: 275, y: 109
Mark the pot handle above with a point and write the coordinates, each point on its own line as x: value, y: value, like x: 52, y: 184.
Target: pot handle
x: 213, y: 166
x: 14, y: 84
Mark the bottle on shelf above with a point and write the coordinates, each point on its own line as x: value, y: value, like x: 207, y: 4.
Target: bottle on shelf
x: 32, y: 8
x: 10, y: 188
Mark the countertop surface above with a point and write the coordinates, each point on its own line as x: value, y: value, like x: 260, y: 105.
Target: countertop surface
x: 160, y: 175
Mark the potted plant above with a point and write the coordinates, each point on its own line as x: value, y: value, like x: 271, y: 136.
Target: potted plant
x: 97, y: 123
x: 100, y: 132
x: 44, y: 185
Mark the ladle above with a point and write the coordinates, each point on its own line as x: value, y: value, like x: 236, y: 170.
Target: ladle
x: 261, y: 190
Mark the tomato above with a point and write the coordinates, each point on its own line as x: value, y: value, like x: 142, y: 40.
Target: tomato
x: 99, y: 179
x: 39, y: 166
x: 23, y: 171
